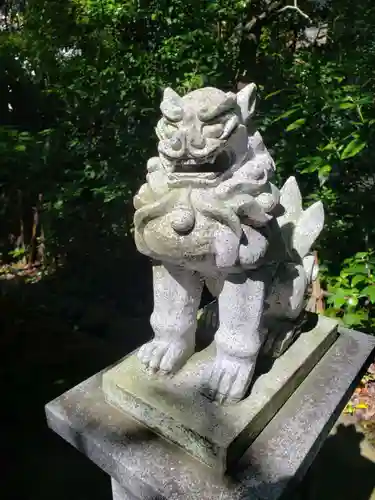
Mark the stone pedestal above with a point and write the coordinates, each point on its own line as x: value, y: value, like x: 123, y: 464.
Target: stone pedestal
x: 120, y: 493
x: 214, y: 434
x: 144, y: 465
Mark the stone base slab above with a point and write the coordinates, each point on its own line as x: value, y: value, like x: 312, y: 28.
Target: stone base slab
x: 214, y: 434
x: 148, y: 467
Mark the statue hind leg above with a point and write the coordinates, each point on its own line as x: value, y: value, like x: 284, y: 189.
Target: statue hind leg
x: 285, y: 308
x: 177, y: 295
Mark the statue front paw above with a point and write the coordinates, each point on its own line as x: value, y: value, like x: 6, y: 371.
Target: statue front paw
x: 228, y: 378
x: 165, y: 356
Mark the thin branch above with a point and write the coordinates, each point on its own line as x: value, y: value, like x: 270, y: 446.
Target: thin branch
x: 271, y: 9
x: 297, y: 9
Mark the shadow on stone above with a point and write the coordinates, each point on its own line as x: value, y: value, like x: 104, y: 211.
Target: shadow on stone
x: 340, y: 471
x: 261, y: 485
x: 265, y: 362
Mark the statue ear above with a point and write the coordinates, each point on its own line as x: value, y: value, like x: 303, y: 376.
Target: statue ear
x: 171, y: 105
x: 171, y: 96
x: 246, y: 100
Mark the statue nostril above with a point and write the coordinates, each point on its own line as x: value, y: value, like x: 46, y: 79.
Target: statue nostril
x: 198, y: 142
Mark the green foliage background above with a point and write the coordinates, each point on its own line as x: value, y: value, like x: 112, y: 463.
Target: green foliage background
x: 80, y: 86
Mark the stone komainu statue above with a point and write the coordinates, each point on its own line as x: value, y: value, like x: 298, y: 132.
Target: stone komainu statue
x: 208, y: 214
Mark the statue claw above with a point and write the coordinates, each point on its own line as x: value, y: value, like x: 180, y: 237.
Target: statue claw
x: 163, y: 357
x: 229, y: 379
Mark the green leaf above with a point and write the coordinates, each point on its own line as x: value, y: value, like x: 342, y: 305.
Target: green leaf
x: 347, y: 105
x: 369, y: 292
x: 358, y: 279
x: 274, y: 93
x: 349, y: 408
x: 309, y: 169
x: 365, y: 100
x: 352, y: 319
x: 325, y: 170
x: 25, y: 136
x: 313, y: 164
x: 18, y: 252
x: 353, y: 148
x: 361, y: 255
x: 338, y: 302
x: 46, y: 131
x: 331, y: 146
x: 295, y: 125
x: 341, y: 292
x: 323, y: 174
x: 287, y: 113
x: 58, y: 205
x: 356, y: 269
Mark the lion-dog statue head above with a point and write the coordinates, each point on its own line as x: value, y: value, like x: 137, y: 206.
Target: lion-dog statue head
x: 207, y: 198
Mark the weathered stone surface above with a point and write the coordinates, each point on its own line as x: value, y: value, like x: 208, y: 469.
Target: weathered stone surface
x: 151, y: 468
x: 215, y: 434
x: 120, y: 493
x: 209, y: 213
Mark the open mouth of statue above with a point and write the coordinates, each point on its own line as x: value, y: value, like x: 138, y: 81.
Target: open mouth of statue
x: 211, y: 166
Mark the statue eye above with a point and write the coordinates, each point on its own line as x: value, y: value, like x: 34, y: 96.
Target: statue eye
x: 214, y: 130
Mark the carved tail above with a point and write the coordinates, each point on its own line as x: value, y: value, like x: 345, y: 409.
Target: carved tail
x: 300, y: 228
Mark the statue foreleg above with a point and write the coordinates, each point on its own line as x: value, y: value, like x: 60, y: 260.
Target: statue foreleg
x: 177, y: 295
x: 239, y: 337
